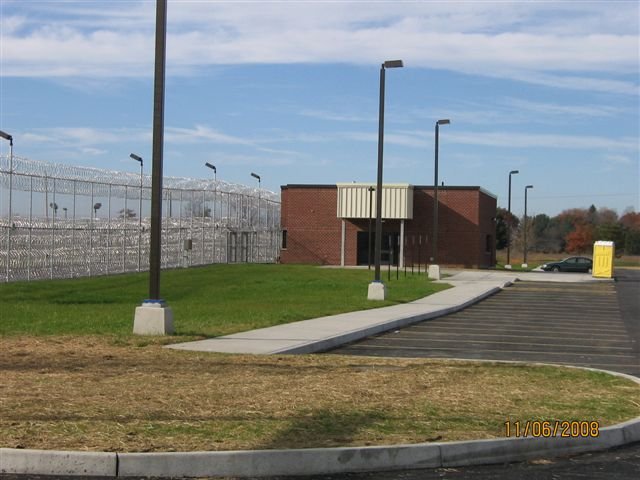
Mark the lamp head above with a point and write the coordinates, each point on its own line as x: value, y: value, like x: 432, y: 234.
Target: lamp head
x: 255, y: 175
x: 393, y: 64
x: 528, y: 186
x: 513, y: 172
x: 212, y: 167
x: 444, y: 121
x: 137, y: 158
x: 6, y: 136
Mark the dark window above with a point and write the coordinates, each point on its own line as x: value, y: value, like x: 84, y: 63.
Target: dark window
x: 284, y: 239
x: 489, y: 244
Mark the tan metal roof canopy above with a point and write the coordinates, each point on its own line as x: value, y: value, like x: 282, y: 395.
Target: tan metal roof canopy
x: 355, y: 201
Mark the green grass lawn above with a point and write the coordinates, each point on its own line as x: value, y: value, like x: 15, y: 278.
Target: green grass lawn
x: 208, y: 301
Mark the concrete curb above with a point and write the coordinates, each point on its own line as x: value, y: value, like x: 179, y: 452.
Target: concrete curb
x: 316, y: 461
x: 51, y: 462
x: 316, y: 346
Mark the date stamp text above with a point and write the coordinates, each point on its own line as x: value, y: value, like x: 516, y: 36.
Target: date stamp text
x: 552, y: 428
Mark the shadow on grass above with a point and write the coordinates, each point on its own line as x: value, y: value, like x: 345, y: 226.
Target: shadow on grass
x: 323, y: 428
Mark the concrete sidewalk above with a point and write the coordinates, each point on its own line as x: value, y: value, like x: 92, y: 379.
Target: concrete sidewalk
x: 320, y: 334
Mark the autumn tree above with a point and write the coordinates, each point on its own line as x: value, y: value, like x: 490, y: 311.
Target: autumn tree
x: 580, y: 240
x: 630, y: 222
x: 504, y: 219
x: 574, y: 230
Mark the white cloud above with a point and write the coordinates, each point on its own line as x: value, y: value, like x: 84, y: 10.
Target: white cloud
x: 201, y: 133
x: 532, y: 140
x: 337, y: 117
x: 536, y: 42
x: 93, y: 151
x: 422, y: 139
x: 563, y: 110
x: 79, y: 136
x: 618, y: 159
x: 253, y: 160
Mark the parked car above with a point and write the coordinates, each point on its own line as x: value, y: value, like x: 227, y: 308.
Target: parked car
x: 571, y: 264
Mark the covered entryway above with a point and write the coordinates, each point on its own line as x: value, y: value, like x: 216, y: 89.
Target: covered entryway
x: 390, y: 253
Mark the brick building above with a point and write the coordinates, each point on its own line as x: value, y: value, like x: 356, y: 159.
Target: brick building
x: 329, y: 225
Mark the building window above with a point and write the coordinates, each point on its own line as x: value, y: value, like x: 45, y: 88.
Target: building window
x: 284, y: 239
x: 489, y: 244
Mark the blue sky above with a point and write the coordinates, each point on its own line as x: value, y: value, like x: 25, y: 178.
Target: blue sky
x: 290, y: 90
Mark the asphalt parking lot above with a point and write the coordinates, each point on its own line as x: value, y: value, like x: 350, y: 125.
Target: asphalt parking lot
x: 594, y: 324
x: 563, y: 323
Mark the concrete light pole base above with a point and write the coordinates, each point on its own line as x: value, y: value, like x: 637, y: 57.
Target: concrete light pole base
x: 434, y: 272
x: 153, y: 317
x: 507, y: 267
x: 377, y: 291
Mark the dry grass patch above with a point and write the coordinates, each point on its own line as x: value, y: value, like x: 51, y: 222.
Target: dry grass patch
x: 114, y: 394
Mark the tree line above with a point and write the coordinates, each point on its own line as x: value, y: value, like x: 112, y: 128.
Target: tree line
x: 572, y: 231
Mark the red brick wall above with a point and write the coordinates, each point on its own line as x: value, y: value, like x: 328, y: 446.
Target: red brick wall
x: 458, y: 230
x: 488, y: 207
x: 465, y: 218
x: 313, y: 229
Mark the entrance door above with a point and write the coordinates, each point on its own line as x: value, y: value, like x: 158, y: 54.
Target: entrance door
x: 390, y: 248
x: 363, y: 248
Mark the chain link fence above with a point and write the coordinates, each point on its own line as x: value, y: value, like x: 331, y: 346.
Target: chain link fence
x: 64, y: 221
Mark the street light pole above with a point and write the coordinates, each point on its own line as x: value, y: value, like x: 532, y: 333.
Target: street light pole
x: 155, y: 250
x: 434, y: 243
x: 153, y: 316
x: 215, y: 170
x: 524, y: 265
x: 215, y: 195
x: 137, y: 158
x: 8, y: 137
x: 376, y: 288
x: 508, y: 265
x: 255, y: 175
x: 371, y: 190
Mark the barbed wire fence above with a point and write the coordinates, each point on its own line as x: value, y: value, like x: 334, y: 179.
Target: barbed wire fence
x: 65, y: 221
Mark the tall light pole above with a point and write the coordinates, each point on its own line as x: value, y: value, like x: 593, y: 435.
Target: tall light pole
x: 215, y: 194
x: 155, y: 251
x: 8, y: 137
x: 215, y: 170
x: 524, y: 264
x: 376, y: 288
x: 255, y: 175
x: 153, y: 316
x: 138, y: 158
x: 434, y: 243
x: 508, y: 265
x: 370, y: 190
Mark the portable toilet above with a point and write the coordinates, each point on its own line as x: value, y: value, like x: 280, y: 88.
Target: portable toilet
x: 603, y: 259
